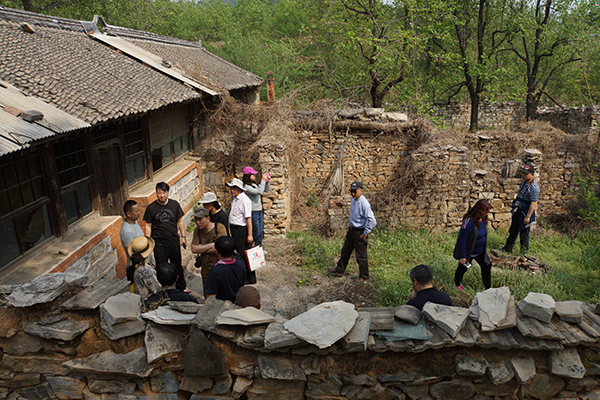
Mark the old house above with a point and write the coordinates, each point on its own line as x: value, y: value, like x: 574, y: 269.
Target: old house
x: 91, y: 115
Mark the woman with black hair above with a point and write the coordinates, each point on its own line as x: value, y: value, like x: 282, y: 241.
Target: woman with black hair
x: 472, y: 244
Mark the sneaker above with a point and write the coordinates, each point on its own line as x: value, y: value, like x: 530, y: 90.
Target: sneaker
x: 361, y: 280
x: 187, y: 291
x: 334, y: 272
x: 459, y: 288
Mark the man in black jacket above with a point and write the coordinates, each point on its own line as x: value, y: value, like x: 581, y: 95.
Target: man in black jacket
x: 166, y: 273
x: 422, y: 281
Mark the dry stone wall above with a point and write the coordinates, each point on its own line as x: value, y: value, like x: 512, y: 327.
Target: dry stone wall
x: 509, y: 115
x: 101, y: 347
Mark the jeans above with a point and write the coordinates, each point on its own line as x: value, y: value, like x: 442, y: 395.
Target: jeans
x: 258, y: 223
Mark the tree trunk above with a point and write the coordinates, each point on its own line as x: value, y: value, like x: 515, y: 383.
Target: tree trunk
x: 531, y: 106
x: 474, y: 123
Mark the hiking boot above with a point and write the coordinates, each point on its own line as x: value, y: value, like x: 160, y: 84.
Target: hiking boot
x: 506, y: 249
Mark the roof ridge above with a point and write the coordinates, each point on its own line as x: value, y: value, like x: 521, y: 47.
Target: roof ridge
x: 144, y: 35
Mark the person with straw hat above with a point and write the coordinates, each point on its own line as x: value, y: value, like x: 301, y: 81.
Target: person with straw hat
x: 142, y: 275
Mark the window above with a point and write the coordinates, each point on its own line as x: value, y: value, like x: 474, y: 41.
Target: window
x: 104, y: 134
x: 73, y: 176
x: 169, y: 135
x: 24, y: 218
x: 134, y: 152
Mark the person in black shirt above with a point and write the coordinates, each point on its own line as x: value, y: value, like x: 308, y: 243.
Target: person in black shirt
x: 228, y: 275
x: 166, y: 273
x: 422, y: 281
x: 164, y: 217
x: 210, y: 202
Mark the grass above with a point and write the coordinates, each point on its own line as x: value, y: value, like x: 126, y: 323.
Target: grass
x: 574, y: 263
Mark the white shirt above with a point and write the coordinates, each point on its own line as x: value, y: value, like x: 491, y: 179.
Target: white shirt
x: 241, y: 208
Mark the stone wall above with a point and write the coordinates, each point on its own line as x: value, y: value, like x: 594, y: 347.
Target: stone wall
x: 101, y: 348
x: 509, y: 115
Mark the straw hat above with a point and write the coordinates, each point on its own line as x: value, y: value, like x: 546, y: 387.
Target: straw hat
x: 141, y: 244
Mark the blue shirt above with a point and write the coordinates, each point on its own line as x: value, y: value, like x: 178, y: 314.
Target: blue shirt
x: 361, y: 215
x: 529, y: 192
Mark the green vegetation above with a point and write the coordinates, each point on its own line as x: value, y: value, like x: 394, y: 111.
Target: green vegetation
x: 574, y: 263
x: 398, y: 54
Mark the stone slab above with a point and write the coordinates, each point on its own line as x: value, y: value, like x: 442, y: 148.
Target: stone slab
x: 453, y: 390
x: 59, y: 328
x: 101, y: 386
x: 544, y: 386
x: 162, y: 341
x: 467, y: 365
x: 165, y: 315
x: 356, y: 340
x: 65, y: 387
x: 280, y: 367
x: 382, y: 318
x: 324, y: 324
x: 500, y: 373
x: 21, y: 343
x: 539, y: 306
x: 276, y: 336
x: 123, y: 307
x: 569, y: 311
x: 39, y: 363
x: 524, y: 368
x: 493, y: 307
x: 206, y: 319
x: 45, y: 288
x: 406, y: 331
x: 567, y: 363
x: 201, y: 357
x: 244, y: 316
x: 165, y: 383
x: 450, y: 319
x: 38, y: 392
x: 186, y: 307
x: 133, y: 363
x: 408, y: 314
x: 91, y: 297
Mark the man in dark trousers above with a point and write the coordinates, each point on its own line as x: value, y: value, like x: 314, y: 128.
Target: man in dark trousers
x: 523, y: 210
x: 422, y: 282
x: 164, y: 217
x: 362, y: 221
x: 166, y: 273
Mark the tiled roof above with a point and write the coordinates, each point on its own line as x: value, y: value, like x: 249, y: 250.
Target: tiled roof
x: 61, y: 65
x: 81, y: 76
x: 190, y: 56
x: 16, y: 133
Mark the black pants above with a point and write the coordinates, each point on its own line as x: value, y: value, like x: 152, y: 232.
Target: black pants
x: 514, y: 231
x: 353, y: 242
x: 240, y: 235
x: 486, y: 271
x: 171, y: 254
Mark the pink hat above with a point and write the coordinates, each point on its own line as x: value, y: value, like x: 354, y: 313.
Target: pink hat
x: 249, y: 170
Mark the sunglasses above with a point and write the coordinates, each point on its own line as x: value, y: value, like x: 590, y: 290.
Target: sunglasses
x: 352, y: 191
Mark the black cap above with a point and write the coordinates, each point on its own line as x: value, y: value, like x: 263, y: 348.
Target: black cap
x: 528, y: 169
x: 356, y: 185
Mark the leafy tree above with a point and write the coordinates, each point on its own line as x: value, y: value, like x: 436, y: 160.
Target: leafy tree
x: 541, y: 34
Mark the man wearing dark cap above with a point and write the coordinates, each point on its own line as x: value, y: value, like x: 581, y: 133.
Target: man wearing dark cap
x: 523, y: 210
x: 361, y: 223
